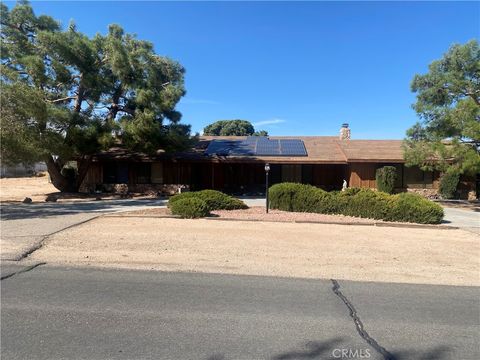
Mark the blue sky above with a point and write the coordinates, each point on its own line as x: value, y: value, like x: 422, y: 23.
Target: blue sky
x: 291, y: 68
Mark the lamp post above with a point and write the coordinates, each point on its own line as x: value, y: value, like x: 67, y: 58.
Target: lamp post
x: 267, y: 169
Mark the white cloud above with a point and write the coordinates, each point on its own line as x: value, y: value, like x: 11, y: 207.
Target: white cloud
x: 198, y: 101
x: 269, y: 122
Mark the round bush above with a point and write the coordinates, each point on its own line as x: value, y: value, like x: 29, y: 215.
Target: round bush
x: 448, y: 184
x: 386, y: 177
x: 215, y: 200
x: 367, y: 203
x: 190, y: 208
x: 410, y: 207
x: 301, y: 198
x: 177, y: 197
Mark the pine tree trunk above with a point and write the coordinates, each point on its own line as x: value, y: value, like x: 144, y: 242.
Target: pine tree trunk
x: 61, y: 182
x: 83, y: 166
x: 58, y: 180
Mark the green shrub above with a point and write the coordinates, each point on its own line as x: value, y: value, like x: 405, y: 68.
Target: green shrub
x: 367, y: 203
x: 178, y: 197
x: 386, y: 177
x: 409, y: 207
x: 281, y: 196
x: 363, y: 203
x: 215, y: 200
x: 448, y: 184
x: 190, y: 208
x: 291, y: 196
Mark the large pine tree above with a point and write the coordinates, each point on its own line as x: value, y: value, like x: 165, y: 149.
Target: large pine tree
x: 65, y: 96
x: 448, y: 103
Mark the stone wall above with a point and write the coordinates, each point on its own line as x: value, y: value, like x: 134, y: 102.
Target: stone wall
x: 144, y: 189
x: 431, y: 194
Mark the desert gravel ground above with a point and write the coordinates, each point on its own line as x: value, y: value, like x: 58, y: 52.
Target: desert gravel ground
x: 17, y: 189
x: 366, y: 253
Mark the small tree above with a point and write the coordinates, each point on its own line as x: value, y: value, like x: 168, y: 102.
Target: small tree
x: 260, y: 133
x: 386, y: 177
x: 232, y: 128
x: 448, y: 184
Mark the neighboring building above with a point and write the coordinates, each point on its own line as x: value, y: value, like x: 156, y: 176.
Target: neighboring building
x: 22, y: 170
x: 236, y: 165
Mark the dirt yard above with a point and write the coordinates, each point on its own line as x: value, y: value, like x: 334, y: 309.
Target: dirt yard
x: 368, y: 253
x: 38, y: 188
x: 17, y: 189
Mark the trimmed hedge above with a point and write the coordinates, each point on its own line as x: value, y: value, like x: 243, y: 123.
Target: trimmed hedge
x: 386, y: 177
x: 409, y: 207
x: 365, y: 203
x: 448, y: 184
x: 190, y: 208
x: 215, y: 200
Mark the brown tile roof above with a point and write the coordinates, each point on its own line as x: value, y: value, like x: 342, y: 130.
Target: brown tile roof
x: 370, y: 150
x: 329, y: 149
x: 320, y: 149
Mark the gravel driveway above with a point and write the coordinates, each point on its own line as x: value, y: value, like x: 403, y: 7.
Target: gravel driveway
x: 464, y: 219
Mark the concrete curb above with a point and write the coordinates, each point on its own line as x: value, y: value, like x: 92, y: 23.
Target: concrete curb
x: 215, y: 218
x: 398, y: 225
x: 143, y: 216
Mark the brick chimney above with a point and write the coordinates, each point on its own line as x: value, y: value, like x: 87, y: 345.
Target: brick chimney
x: 344, y: 132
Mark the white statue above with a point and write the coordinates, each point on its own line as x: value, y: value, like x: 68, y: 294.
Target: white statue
x: 344, y: 186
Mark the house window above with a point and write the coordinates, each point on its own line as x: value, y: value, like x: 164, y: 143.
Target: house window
x: 157, y: 173
x: 115, y: 173
x: 307, y: 174
x: 110, y: 173
x: 143, y: 171
x: 417, y: 179
x: 292, y: 173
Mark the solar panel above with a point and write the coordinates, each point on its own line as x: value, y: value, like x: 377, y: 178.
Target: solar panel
x: 257, y: 146
x: 292, y: 147
x: 268, y: 148
x: 219, y: 147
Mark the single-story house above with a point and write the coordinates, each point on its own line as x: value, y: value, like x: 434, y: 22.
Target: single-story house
x: 237, y: 165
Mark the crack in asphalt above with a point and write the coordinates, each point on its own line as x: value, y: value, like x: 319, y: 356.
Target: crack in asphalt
x: 28, y: 268
x: 359, y: 325
x: 39, y: 243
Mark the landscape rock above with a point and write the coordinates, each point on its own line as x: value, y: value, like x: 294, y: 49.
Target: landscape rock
x: 51, y: 198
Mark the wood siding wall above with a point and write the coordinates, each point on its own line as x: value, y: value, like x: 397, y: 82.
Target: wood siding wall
x: 362, y: 175
x: 94, y: 175
x: 329, y: 176
x: 244, y: 176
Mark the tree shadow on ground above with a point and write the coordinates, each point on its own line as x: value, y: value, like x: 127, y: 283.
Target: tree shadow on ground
x: 436, y: 353
x: 324, y: 350
x: 14, y: 211
x: 312, y: 350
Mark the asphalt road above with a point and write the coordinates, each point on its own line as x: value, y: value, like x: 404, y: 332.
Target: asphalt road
x: 60, y: 313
